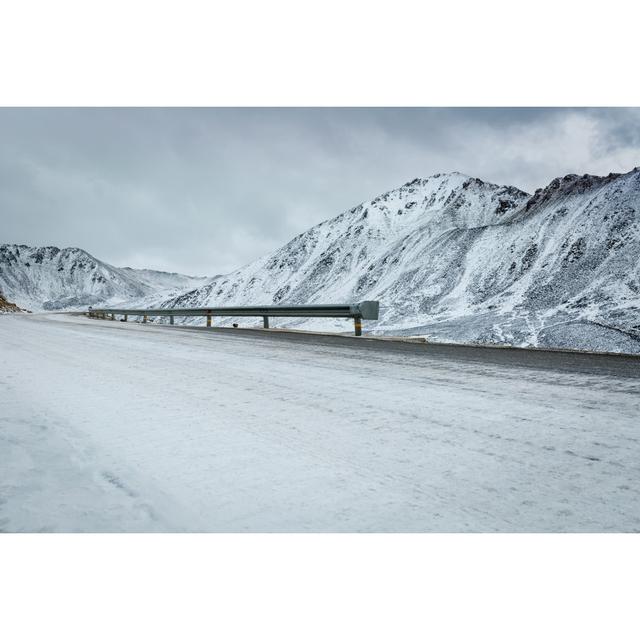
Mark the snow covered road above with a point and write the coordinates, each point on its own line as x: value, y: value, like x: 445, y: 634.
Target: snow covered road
x: 107, y: 426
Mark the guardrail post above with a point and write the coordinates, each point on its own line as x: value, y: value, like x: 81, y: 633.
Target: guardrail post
x: 208, y: 319
x: 125, y: 318
x: 170, y: 319
x: 358, y: 325
x: 265, y: 322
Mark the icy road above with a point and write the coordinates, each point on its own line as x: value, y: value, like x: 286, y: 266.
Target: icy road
x: 107, y: 426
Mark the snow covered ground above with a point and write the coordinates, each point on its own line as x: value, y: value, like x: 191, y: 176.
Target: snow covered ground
x: 106, y: 426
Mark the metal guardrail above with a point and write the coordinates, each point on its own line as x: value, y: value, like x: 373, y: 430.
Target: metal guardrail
x: 368, y: 310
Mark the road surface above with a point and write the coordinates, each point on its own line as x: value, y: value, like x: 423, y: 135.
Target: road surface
x: 110, y: 426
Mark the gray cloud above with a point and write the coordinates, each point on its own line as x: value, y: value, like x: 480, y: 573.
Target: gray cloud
x: 204, y: 191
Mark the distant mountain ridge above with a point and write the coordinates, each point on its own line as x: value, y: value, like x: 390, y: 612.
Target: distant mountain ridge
x: 163, y: 280
x: 49, y: 278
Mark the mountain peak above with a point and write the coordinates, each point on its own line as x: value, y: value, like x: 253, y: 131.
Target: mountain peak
x: 574, y: 184
x: 457, y: 179
x: 437, y: 177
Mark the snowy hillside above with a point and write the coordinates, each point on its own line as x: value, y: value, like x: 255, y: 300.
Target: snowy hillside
x: 458, y: 259
x: 47, y: 278
x: 335, y: 260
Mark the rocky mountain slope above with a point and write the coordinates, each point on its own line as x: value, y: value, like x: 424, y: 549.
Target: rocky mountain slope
x: 458, y: 259
x: 8, y: 307
x: 49, y: 278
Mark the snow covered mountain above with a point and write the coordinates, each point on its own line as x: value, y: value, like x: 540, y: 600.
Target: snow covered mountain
x: 47, y: 278
x: 458, y: 259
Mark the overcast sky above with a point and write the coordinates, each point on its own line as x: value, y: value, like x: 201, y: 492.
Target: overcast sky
x: 204, y: 191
